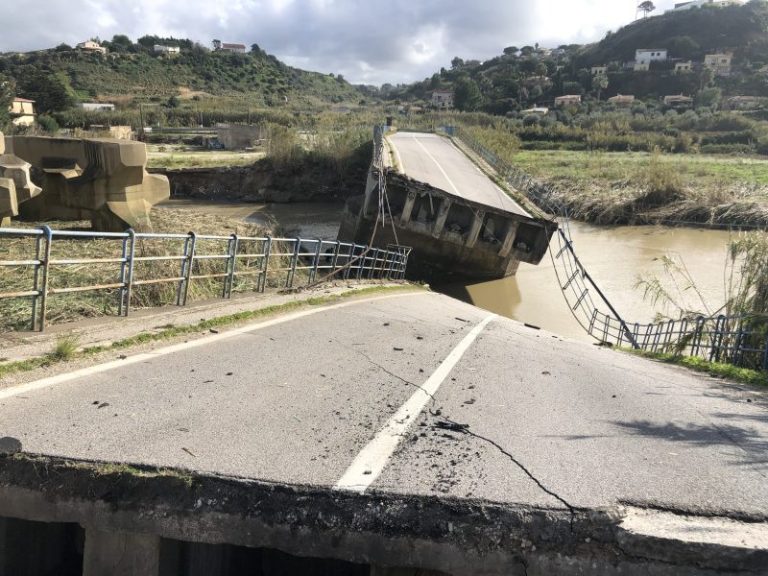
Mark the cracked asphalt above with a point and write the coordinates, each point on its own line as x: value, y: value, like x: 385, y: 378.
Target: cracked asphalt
x: 524, y: 418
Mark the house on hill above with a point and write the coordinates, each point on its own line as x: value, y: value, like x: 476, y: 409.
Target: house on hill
x: 719, y: 63
x: 219, y: 46
x: 91, y: 46
x: 599, y: 70
x: 568, y: 100
x: 745, y: 102
x: 442, y: 99
x: 22, y: 112
x: 683, y: 67
x: 167, y: 50
x: 622, y: 100
x: 699, y: 3
x: 678, y: 101
x: 97, y: 106
x: 644, y: 57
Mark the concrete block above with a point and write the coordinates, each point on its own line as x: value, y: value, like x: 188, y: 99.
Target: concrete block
x: 121, y: 554
x: 102, y: 179
x: 9, y: 204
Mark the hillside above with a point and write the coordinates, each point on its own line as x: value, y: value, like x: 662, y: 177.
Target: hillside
x: 689, y: 34
x: 530, y: 76
x: 131, y: 73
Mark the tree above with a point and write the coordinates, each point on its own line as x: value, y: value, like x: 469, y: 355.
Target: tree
x: 646, y: 8
x: 7, y: 92
x: 46, y: 89
x: 511, y: 50
x: 121, y: 43
x: 600, y: 83
x: 457, y: 63
x: 467, y: 96
x: 709, y: 97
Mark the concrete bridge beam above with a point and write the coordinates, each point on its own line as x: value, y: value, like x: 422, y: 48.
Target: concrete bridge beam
x: 509, y: 238
x: 410, y: 202
x: 442, y: 216
x: 474, y: 231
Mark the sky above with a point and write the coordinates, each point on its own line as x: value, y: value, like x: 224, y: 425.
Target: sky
x: 369, y: 42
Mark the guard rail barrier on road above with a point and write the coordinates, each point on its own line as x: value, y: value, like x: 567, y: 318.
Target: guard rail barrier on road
x: 127, y: 259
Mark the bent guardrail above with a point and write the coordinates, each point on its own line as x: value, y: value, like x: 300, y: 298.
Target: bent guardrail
x: 739, y: 340
x: 125, y: 262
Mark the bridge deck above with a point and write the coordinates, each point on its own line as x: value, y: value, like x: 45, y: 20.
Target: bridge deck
x: 436, y: 161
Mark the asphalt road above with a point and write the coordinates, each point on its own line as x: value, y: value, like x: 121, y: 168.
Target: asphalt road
x: 434, y: 160
x: 334, y: 398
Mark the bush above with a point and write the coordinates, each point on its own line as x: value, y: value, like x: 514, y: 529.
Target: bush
x: 48, y: 123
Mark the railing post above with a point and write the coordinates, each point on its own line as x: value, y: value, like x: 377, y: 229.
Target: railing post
x: 131, y: 267
x: 361, y: 265
x: 230, y: 279
x: 294, y: 263
x: 335, y: 256
x: 313, y: 276
x: 189, y: 260
x: 123, y: 271
x: 265, y: 266
x: 46, y: 275
x: 36, y: 281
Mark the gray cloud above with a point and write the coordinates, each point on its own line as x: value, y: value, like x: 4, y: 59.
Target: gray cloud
x: 372, y: 42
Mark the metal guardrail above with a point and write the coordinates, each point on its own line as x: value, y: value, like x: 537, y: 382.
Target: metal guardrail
x: 738, y: 340
x: 262, y: 256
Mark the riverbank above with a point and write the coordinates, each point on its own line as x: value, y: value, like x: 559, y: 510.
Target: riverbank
x: 630, y: 188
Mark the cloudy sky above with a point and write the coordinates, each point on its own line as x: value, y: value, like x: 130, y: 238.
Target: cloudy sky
x: 368, y: 41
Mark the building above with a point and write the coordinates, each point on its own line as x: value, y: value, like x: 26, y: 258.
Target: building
x: 683, y: 67
x: 219, y: 46
x: 442, y: 99
x: 96, y: 106
x: 568, y: 100
x: 648, y: 55
x: 540, y: 110
x: 678, y: 101
x: 745, y: 102
x: 699, y: 3
x: 622, y: 100
x: 599, y: 70
x: 91, y: 46
x: 168, y: 50
x: 719, y: 63
x: 22, y: 112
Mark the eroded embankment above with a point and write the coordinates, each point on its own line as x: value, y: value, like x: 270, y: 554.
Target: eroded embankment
x: 455, y: 536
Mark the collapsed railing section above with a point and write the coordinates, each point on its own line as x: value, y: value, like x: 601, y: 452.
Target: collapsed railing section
x: 169, y: 267
x: 738, y: 340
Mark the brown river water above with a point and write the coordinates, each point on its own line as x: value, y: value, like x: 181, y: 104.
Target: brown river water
x: 614, y: 256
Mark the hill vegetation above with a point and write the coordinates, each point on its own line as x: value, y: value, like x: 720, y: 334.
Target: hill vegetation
x: 131, y: 73
x: 529, y: 76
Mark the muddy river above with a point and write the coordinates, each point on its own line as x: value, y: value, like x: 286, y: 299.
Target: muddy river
x: 615, y: 257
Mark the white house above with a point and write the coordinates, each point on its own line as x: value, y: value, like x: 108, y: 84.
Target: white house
x: 683, y: 67
x: 699, y: 3
x: 22, y: 112
x: 91, y: 46
x: 169, y: 50
x: 97, y: 106
x: 648, y: 55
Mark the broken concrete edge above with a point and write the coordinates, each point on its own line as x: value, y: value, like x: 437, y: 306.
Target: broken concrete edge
x: 362, y: 291
x: 453, y: 535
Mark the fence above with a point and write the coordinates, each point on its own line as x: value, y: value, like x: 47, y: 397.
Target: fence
x: 738, y: 340
x: 45, y: 264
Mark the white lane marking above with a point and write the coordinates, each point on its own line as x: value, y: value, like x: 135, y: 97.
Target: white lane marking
x: 372, y: 459
x: 91, y: 370
x: 456, y: 190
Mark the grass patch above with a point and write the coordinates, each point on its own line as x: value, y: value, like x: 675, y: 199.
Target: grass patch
x: 718, y: 369
x: 65, y: 348
x: 170, y: 332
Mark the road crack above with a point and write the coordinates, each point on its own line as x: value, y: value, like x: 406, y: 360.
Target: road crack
x: 396, y: 376
x: 464, y: 429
